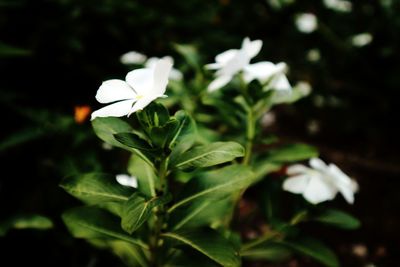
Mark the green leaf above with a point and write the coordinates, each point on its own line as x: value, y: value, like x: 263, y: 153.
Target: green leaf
x: 338, y: 219
x: 200, y: 212
x: 314, y: 249
x: 105, y: 128
x: 267, y: 251
x: 262, y: 167
x: 95, y: 188
x: 208, y: 155
x: 185, y: 134
x: 190, y: 53
x: 26, y: 221
x: 21, y: 137
x: 147, y: 179
x: 208, y: 242
x: 153, y: 115
x: 134, y: 141
x: 130, y: 254
x: 11, y: 51
x: 292, y: 152
x: 187, y: 257
x: 161, y: 135
x: 94, y: 223
x: 215, y: 184
x: 137, y: 210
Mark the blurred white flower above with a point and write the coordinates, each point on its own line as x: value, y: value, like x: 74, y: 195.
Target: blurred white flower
x: 319, y: 183
x: 313, y: 55
x: 304, y: 87
x: 175, y: 74
x: 132, y: 57
x: 127, y: 180
x: 306, y: 22
x: 140, y: 88
x: 339, y: 5
x: 231, y: 62
x: 268, y: 119
x: 361, y: 39
x: 266, y: 71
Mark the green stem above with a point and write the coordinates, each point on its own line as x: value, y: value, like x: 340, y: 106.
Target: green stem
x: 250, y: 133
x: 156, y: 240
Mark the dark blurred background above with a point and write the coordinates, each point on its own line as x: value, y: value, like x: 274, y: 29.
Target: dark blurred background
x: 54, y: 54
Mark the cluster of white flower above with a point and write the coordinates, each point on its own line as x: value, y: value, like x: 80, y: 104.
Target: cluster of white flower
x: 319, y: 183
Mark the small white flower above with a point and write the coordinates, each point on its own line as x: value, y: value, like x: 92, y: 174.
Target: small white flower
x: 127, y: 180
x: 266, y: 71
x: 175, y: 74
x: 319, y: 183
x: 361, y: 39
x: 313, y: 55
x: 141, y: 87
x: 339, y: 5
x: 306, y: 22
x: 133, y: 57
x: 231, y: 62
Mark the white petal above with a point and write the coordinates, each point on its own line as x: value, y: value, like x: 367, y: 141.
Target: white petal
x: 226, y: 56
x: 118, y: 109
x: 175, y: 75
x: 319, y: 190
x: 234, y: 65
x: 296, y: 184
x: 141, y: 80
x: 261, y: 71
x: 114, y: 90
x: 132, y: 57
x: 344, y: 183
x: 280, y: 83
x: 318, y: 164
x: 169, y: 59
x: 219, y: 82
x: 161, y: 73
x: 127, y: 180
x: 213, y: 66
x: 151, y: 62
x: 252, y: 48
x: 141, y: 104
x: 297, y: 169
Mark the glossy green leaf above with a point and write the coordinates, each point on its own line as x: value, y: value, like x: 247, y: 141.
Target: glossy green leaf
x: 130, y: 254
x: 95, y: 223
x: 153, y: 115
x: 208, y: 242
x: 26, y: 221
x: 185, y: 134
x: 11, y: 51
x: 313, y: 249
x: 267, y: 251
x: 338, y: 219
x: 105, y: 128
x: 187, y: 257
x: 200, y: 212
x: 262, y: 167
x: 292, y: 152
x: 137, y: 210
x: 134, y: 141
x: 208, y: 155
x: 161, y: 135
x: 147, y: 179
x: 215, y: 184
x: 95, y: 188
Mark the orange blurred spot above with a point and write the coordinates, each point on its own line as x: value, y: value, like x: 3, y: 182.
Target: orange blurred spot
x: 81, y: 113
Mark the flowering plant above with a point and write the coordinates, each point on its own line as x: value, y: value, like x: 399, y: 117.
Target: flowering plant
x: 195, y: 156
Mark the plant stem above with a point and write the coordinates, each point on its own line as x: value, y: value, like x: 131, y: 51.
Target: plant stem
x: 250, y: 133
x: 156, y: 241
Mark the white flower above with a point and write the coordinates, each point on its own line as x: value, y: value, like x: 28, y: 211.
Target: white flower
x: 319, y: 183
x: 231, y: 62
x: 313, y: 55
x: 127, y: 180
x: 266, y: 71
x: 175, y: 74
x: 133, y: 57
x: 306, y: 22
x: 361, y: 39
x: 339, y: 5
x: 141, y: 87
